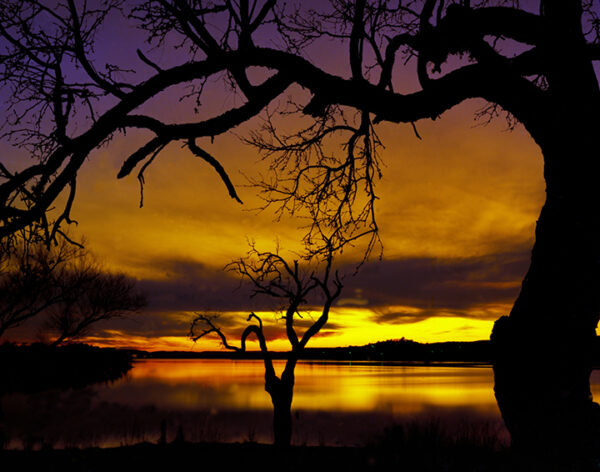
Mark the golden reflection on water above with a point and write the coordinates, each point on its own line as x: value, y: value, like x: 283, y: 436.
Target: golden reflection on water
x: 330, y: 386
x: 221, y: 400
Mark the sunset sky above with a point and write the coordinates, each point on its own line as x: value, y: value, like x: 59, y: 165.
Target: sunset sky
x: 457, y: 212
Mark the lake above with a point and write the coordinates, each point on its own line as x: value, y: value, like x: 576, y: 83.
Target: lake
x: 335, y: 403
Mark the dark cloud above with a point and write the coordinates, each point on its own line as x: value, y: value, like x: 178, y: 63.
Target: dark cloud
x: 425, y: 283
x: 155, y: 324
x: 400, y: 317
x: 325, y: 333
x: 427, y: 287
x: 193, y: 286
x: 437, y: 284
x: 148, y: 324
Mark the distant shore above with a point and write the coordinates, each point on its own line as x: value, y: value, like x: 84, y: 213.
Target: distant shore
x: 477, y: 352
x: 463, y: 353
x: 399, y: 352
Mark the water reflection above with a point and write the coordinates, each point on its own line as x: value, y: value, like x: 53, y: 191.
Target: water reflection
x: 223, y: 400
x: 323, y: 386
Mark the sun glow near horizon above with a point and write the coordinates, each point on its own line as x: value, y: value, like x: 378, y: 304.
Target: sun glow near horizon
x: 348, y: 327
x: 457, y: 226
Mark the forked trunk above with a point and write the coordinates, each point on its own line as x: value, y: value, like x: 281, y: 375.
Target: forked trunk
x: 544, y: 348
x: 282, y: 392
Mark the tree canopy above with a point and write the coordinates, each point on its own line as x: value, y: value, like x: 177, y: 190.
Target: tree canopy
x: 65, y: 99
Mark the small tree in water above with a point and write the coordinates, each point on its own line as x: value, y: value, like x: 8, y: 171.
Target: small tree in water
x: 270, y: 274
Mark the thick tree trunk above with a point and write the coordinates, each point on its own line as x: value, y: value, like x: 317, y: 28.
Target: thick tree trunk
x: 544, y: 348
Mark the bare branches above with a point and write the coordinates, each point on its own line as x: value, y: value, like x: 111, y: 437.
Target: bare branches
x: 94, y: 296
x: 194, y: 23
x: 205, y: 324
x: 49, y: 183
x: 325, y: 173
x: 202, y: 154
x: 210, y: 328
x: 271, y: 274
x: 356, y: 40
x: 61, y: 283
x: 152, y: 146
x: 63, y: 104
x: 79, y: 49
x: 42, y: 42
x: 294, y: 283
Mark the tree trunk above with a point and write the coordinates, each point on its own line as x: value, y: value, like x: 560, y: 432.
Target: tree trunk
x: 543, y: 350
x: 282, y: 392
x: 282, y: 419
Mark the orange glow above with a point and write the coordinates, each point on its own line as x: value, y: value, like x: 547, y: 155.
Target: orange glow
x: 354, y: 328
x: 328, y: 386
x: 460, y: 192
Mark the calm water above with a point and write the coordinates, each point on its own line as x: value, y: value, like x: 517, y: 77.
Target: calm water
x: 222, y: 400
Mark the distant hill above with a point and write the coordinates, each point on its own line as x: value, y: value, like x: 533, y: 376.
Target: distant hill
x: 398, y: 350
x: 392, y: 350
x: 407, y: 350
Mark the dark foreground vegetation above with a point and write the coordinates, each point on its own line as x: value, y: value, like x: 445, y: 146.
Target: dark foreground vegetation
x: 217, y: 456
x: 37, y: 367
x: 411, y: 446
x: 408, y: 447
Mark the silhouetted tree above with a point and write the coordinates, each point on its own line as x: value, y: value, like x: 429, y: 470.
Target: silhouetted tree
x: 31, y: 277
x: 533, y: 61
x: 101, y: 296
x: 63, y: 284
x: 271, y: 275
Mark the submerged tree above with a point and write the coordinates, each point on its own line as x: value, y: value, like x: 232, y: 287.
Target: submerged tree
x: 534, y: 61
x: 271, y: 275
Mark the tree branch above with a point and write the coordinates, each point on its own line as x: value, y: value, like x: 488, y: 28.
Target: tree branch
x: 202, y: 154
x: 251, y: 329
x: 80, y: 53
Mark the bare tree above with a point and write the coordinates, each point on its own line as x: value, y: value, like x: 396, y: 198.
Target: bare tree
x: 535, y: 62
x: 33, y: 278
x: 271, y: 275
x: 99, y: 296
x: 62, y: 284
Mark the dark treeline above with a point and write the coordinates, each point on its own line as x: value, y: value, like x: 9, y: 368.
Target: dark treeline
x: 36, y: 367
x: 411, y: 351
x: 391, y: 350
